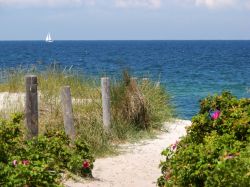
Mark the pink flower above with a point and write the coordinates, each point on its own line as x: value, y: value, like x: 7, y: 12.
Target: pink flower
x: 215, y: 115
x: 174, y: 146
x: 14, y: 163
x: 25, y: 162
x: 231, y: 156
x: 85, y: 164
x: 167, y: 176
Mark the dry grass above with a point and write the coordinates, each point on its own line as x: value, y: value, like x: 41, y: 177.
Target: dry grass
x: 138, y: 106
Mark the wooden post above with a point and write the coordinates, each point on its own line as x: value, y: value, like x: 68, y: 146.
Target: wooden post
x: 105, y: 82
x: 68, y: 112
x: 31, y: 105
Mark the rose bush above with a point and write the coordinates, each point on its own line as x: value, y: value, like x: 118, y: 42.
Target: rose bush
x: 40, y: 161
x: 216, y: 150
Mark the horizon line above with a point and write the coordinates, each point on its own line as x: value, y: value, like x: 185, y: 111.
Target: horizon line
x: 126, y: 40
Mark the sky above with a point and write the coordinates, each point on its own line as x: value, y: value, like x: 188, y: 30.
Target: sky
x: 125, y: 19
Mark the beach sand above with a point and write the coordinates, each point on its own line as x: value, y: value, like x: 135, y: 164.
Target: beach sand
x: 11, y: 102
x: 138, y: 165
x: 15, y: 102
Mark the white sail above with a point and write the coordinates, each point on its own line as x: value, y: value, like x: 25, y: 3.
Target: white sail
x: 48, y: 38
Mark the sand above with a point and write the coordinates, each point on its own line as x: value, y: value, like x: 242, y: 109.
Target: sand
x: 138, y: 166
x: 15, y: 102
x: 11, y: 102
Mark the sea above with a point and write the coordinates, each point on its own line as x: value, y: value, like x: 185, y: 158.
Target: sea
x: 189, y: 70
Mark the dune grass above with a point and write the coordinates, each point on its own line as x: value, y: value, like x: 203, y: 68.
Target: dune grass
x: 138, y: 107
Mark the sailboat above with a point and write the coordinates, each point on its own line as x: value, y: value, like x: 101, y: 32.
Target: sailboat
x: 48, y: 38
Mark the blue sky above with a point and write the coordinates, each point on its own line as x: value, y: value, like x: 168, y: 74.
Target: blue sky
x: 124, y: 19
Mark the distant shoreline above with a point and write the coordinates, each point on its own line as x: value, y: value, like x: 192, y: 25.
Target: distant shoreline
x: 125, y: 40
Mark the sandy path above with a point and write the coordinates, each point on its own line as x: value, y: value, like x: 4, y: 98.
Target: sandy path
x: 138, y: 166
x: 15, y: 102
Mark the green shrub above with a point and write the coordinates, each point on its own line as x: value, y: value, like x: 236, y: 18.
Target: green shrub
x: 215, y: 152
x: 231, y: 172
x: 39, y: 161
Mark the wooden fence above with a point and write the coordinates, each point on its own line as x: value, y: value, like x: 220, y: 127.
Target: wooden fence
x: 31, y: 107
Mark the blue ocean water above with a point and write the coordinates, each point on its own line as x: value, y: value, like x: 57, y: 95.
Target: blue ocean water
x: 190, y: 70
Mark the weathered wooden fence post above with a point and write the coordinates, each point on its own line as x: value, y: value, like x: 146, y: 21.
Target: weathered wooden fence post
x: 68, y: 112
x: 31, y: 105
x: 105, y: 82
